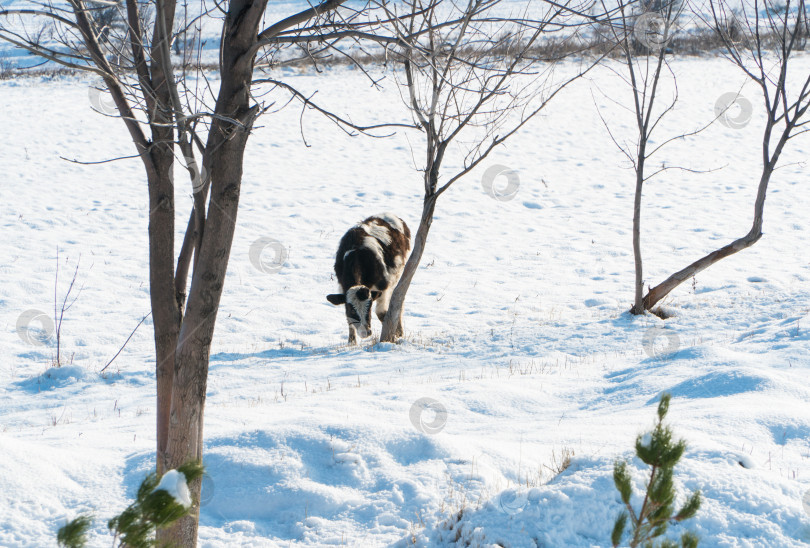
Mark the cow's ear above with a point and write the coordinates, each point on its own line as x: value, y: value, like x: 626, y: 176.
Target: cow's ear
x: 375, y: 294
x: 336, y: 298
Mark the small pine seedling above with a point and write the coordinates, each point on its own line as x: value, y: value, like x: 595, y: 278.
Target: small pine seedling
x: 135, y: 527
x: 657, y: 450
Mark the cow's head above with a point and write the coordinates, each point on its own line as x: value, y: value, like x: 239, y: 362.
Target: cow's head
x: 358, y: 301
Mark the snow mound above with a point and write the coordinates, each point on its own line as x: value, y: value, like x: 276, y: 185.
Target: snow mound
x: 54, y: 377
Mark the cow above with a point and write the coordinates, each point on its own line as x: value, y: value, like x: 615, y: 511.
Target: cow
x: 368, y: 264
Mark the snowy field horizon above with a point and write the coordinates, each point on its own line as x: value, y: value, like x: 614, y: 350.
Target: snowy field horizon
x: 517, y: 324
x: 204, y: 32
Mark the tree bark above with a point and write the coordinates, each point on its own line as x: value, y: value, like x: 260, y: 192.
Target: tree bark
x: 638, y: 305
x: 391, y: 328
x: 166, y: 315
x: 225, y: 148
x: 165, y: 312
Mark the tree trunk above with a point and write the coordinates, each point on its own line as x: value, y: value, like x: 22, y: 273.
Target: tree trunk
x: 165, y: 312
x: 166, y: 316
x: 393, y: 318
x: 638, y: 302
x: 225, y: 148
x: 664, y: 288
x: 193, y: 349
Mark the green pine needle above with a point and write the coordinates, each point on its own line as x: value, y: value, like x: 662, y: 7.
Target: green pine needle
x: 618, y: 529
x: 135, y: 527
x: 690, y: 508
x: 663, y: 405
x: 622, y: 480
x: 193, y: 470
x: 689, y: 540
x: 74, y: 533
x: 152, y: 510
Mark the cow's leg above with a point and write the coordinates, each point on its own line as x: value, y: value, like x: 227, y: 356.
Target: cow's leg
x: 352, y: 335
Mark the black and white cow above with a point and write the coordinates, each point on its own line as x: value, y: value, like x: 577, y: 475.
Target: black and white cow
x: 368, y: 265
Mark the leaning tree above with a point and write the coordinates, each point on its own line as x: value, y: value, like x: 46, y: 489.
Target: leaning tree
x: 173, y: 123
x: 761, y: 40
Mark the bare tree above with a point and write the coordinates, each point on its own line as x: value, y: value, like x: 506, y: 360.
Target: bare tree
x: 203, y: 132
x: 471, y: 75
x: 641, y: 36
x: 763, y: 53
x: 59, y: 311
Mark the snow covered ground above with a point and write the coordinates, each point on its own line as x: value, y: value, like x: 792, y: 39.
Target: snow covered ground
x: 516, y: 324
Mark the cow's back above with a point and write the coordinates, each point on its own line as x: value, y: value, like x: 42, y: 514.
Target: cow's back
x: 373, y: 252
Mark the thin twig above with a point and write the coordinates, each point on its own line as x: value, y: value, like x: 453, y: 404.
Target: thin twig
x: 125, y: 342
